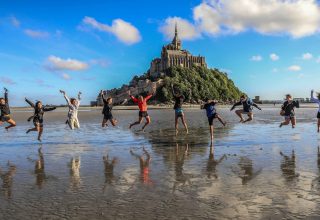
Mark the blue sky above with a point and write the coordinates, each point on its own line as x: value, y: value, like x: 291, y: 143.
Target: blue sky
x: 269, y: 47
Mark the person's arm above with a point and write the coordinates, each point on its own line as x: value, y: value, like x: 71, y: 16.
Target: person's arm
x: 79, y: 99
x: 134, y: 99
x: 29, y: 102
x: 172, y: 90
x: 256, y: 106
x: 148, y: 97
x: 47, y: 109
x: 6, y: 95
x: 236, y: 104
x: 314, y: 99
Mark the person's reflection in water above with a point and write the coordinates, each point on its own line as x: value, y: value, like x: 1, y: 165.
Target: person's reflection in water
x: 316, y: 182
x: 144, y: 166
x: 39, y: 170
x: 7, y: 180
x: 288, y: 166
x: 108, y: 170
x: 212, y: 163
x: 75, y: 179
x: 181, y: 177
x: 247, y: 172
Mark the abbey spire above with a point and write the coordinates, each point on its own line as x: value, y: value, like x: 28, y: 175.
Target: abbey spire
x: 176, y: 41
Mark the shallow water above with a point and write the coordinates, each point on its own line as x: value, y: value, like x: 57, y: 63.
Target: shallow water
x: 242, y: 175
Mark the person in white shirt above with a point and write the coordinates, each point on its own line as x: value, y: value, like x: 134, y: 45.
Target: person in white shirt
x: 73, y: 105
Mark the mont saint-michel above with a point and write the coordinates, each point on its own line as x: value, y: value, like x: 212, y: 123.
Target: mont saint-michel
x: 179, y: 67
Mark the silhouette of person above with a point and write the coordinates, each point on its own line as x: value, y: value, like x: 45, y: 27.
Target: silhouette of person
x: 247, y: 171
x: 7, y: 180
x: 108, y: 170
x: 288, y: 166
x: 212, y: 163
x: 181, y: 177
x: 144, y: 166
x: 75, y: 179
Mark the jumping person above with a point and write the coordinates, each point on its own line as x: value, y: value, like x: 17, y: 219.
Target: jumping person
x: 179, y: 98
x: 73, y: 105
x: 37, y: 117
x: 287, y: 110
x: 248, y: 105
x: 107, y: 110
x: 142, y: 103
x: 5, y: 111
x: 317, y: 100
x: 210, y: 107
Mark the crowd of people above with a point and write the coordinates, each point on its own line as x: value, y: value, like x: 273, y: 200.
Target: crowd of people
x: 287, y: 111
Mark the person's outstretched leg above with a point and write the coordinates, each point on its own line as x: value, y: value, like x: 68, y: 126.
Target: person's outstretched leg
x: 286, y: 122
x: 113, y: 122
x: 136, y: 123
x: 40, y: 130
x: 12, y: 124
x: 104, y: 123
x: 211, y: 132
x: 148, y: 120
x: 221, y: 120
x: 293, y: 122
x: 32, y: 129
x: 250, y: 117
x: 176, y: 123
x: 239, y: 113
x: 184, y: 123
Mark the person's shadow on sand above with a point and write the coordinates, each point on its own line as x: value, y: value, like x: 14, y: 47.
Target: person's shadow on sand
x: 288, y: 166
x: 212, y: 163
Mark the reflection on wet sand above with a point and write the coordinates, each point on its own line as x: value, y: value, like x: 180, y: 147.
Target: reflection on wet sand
x: 75, y: 179
x: 7, y: 180
x: 212, y: 163
x: 316, y: 182
x: 39, y: 170
x: 247, y: 172
x: 288, y: 166
x: 144, y: 166
x: 181, y: 178
x: 108, y: 170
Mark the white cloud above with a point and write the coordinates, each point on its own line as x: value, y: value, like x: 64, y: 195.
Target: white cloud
x: 256, y: 58
x: 274, y: 57
x: 36, y: 33
x: 6, y: 80
x: 275, y: 70
x: 296, y: 18
x: 14, y: 21
x: 186, y: 30
x: 294, y: 68
x: 65, y: 76
x: 307, y: 56
x: 56, y: 64
x: 124, y: 31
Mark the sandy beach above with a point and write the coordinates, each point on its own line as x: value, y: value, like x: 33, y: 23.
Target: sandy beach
x: 242, y: 175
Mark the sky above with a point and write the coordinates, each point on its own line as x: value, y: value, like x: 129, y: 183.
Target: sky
x: 268, y: 47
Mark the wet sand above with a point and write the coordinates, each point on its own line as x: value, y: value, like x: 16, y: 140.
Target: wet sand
x: 242, y: 175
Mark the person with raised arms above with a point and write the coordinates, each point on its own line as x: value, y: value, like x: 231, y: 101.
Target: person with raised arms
x: 247, y: 109
x: 179, y: 99
x: 107, y: 110
x: 73, y: 105
x: 37, y: 117
x: 5, y: 111
x: 316, y: 100
x: 210, y: 107
x: 142, y: 103
x: 287, y: 110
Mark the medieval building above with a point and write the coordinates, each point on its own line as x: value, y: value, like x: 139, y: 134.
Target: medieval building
x: 173, y: 55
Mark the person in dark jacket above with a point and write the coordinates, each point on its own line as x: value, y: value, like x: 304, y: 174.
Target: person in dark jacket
x: 107, y: 110
x: 37, y: 117
x: 247, y: 109
x: 5, y: 111
x: 287, y: 110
